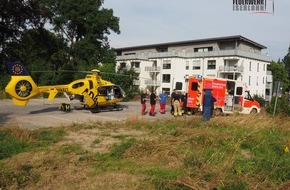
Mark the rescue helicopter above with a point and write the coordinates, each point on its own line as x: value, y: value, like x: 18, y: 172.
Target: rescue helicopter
x: 93, y: 92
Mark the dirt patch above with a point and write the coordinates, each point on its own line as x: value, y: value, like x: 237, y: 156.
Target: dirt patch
x: 100, y: 140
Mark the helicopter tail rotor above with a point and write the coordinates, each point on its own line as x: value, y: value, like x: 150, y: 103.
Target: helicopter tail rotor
x: 21, y: 86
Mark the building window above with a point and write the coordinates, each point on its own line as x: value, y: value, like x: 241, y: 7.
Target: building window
x: 249, y: 80
x: 250, y: 66
x: 135, y: 64
x: 162, y: 49
x: 263, y: 80
x: 268, y: 92
x: 166, y: 64
x: 264, y: 67
x: 166, y: 78
x: 203, y: 49
x: 187, y: 65
x: 258, y: 65
x: 129, y: 53
x: 196, y: 65
x: 166, y: 90
x: 211, y: 64
x: 257, y: 82
x: 122, y: 65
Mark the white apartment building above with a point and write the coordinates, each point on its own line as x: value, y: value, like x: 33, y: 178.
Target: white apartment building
x: 161, y: 65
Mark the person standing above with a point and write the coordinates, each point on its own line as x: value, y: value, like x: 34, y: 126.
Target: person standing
x: 152, y: 103
x: 176, y: 99
x: 172, y: 107
x: 163, y: 98
x: 143, y: 102
x: 183, y: 102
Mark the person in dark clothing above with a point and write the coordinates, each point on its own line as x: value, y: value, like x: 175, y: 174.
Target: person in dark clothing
x: 172, y: 107
x: 183, y: 98
x: 213, y: 100
x: 143, y: 102
x: 152, y: 103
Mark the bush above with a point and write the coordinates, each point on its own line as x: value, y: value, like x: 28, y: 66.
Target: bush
x: 282, y: 106
x: 261, y: 100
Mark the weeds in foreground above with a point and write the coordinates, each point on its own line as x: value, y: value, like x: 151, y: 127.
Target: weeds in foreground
x: 232, y: 152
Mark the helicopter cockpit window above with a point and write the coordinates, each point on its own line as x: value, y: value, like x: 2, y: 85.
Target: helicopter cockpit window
x: 102, y: 91
x: 117, y: 92
x: 110, y: 92
x: 77, y: 85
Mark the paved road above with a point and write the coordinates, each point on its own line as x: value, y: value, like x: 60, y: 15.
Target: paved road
x: 42, y: 113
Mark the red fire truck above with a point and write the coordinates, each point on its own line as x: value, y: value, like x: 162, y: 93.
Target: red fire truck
x: 230, y: 96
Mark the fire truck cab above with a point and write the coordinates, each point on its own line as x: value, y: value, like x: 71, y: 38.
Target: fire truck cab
x: 229, y: 96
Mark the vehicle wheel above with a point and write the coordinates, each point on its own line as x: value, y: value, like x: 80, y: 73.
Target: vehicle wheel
x: 253, y: 111
x: 217, y: 112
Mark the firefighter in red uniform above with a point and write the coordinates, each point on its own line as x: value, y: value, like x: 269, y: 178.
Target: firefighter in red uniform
x: 152, y: 103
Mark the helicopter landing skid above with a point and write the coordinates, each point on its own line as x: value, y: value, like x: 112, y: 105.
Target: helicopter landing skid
x: 97, y: 109
x: 113, y: 107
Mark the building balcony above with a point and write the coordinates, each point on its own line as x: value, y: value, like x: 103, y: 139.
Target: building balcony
x: 269, y: 85
x: 131, y: 57
x: 269, y: 77
x: 230, y: 53
x: 231, y: 69
x: 150, y: 82
x: 152, y: 69
x: 127, y: 68
x: 234, y: 54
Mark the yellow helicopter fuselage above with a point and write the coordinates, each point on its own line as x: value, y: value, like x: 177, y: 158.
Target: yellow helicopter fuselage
x: 93, y: 89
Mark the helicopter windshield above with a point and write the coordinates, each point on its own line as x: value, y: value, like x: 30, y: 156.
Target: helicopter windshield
x: 119, y: 93
x: 111, y: 92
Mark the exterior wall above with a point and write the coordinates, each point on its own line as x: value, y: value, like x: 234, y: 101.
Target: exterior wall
x: 248, y: 48
x: 229, y: 59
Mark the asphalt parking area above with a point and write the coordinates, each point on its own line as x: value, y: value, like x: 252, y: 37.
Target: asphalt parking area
x: 42, y: 113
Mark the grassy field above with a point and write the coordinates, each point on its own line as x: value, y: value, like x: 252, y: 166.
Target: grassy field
x: 226, y: 153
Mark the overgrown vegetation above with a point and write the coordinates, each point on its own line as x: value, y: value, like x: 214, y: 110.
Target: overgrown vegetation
x: 281, y: 105
x: 232, y: 152
x: 277, y: 105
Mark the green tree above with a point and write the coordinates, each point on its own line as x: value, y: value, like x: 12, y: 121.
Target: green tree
x: 42, y: 51
x: 279, y: 104
x: 18, y: 15
x: 279, y: 73
x: 15, y: 17
x: 85, y: 25
x: 286, y: 62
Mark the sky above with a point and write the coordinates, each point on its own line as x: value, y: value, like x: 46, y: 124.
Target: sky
x: 144, y: 22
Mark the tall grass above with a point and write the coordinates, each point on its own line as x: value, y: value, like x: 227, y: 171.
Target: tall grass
x: 232, y: 152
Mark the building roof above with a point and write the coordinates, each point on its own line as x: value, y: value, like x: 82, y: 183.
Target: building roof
x: 217, y: 39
